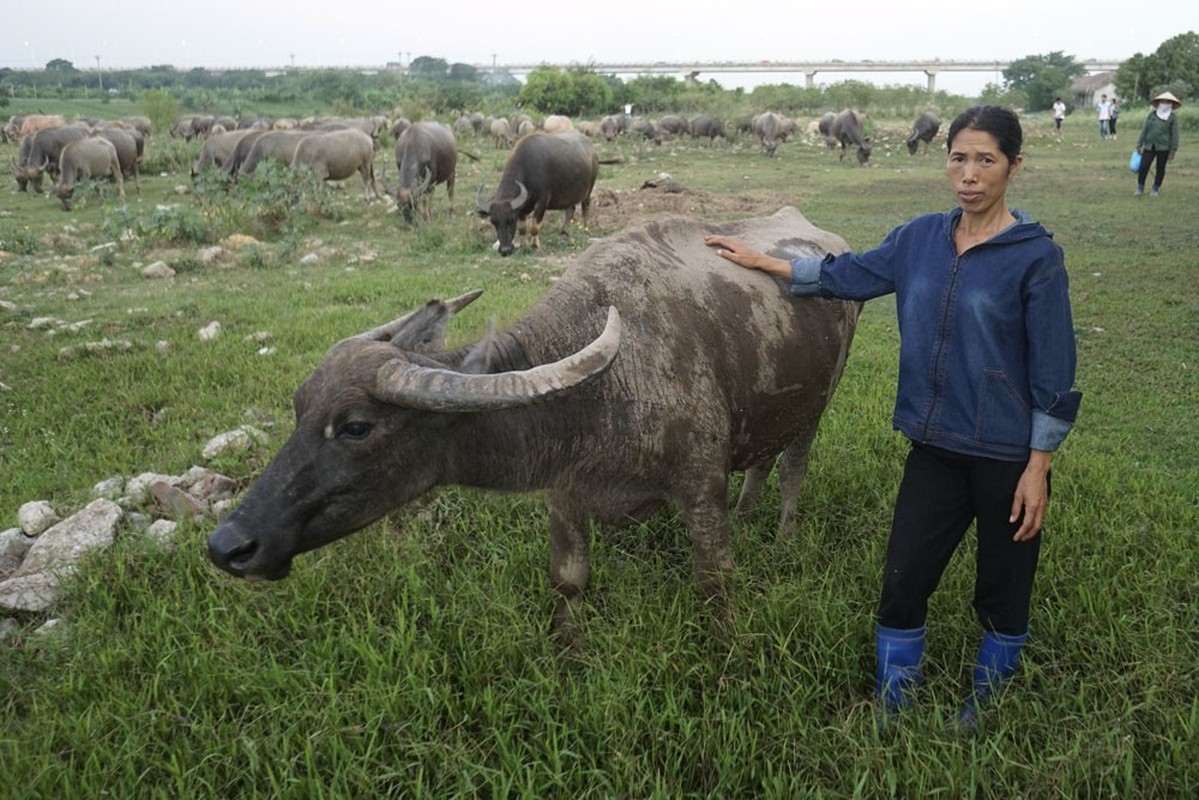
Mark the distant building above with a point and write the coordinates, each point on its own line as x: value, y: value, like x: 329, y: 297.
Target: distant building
x: 1085, y: 91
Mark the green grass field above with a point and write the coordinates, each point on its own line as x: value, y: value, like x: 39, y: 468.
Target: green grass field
x: 412, y: 659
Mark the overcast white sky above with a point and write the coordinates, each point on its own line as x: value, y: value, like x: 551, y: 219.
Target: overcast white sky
x: 308, y: 33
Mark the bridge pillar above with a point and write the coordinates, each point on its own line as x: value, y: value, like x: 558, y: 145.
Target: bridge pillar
x: 932, y: 80
x: 809, y: 79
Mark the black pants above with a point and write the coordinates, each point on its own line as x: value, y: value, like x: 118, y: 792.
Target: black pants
x: 940, y: 495
x: 1111, y: 126
x: 1148, y: 157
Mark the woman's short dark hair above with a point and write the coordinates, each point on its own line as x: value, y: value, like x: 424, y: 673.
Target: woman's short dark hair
x: 1000, y: 122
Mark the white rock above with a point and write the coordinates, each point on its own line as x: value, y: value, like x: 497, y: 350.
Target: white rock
x: 226, y: 443
x: 194, y: 476
x: 110, y: 488
x: 14, y: 543
x: 158, y: 269
x: 310, y: 258
x: 36, y: 516
x: 9, y: 628
x: 162, y: 531
x: 137, y: 490
x: 209, y: 332
x: 37, y: 323
x: 33, y: 593
x: 50, y: 626
x: 207, y: 255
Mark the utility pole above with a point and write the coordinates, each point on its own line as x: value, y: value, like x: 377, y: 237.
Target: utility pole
x: 99, y: 76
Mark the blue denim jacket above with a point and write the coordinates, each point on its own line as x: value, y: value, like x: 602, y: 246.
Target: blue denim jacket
x: 986, y: 354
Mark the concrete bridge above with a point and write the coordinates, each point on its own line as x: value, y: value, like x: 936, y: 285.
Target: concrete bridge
x: 691, y: 70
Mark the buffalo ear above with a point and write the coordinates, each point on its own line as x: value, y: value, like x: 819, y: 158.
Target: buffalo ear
x: 423, y: 331
x: 480, y: 356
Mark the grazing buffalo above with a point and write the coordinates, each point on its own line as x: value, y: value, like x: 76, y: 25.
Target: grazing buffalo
x: 217, y: 150
x: 544, y: 171
x: 612, y: 126
x: 699, y: 370
x: 673, y: 125
x: 336, y: 155
x: 33, y: 123
x: 645, y: 129
x: 12, y: 129
x: 231, y: 168
x: 556, y: 123
x: 501, y: 133
x: 703, y: 126
x: 847, y: 130
x: 276, y: 145
x: 39, y: 153
x: 92, y: 157
x: 426, y: 155
x: 923, y: 130
x: 128, y: 153
x: 825, y: 127
x: 770, y: 128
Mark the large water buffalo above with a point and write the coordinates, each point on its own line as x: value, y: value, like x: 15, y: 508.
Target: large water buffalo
x: 217, y: 150
x: 231, y: 167
x: 544, y: 171
x: 703, y: 126
x: 32, y: 123
x: 700, y: 369
x: 923, y: 130
x: 673, y: 125
x: 128, y: 152
x: 277, y: 146
x: 426, y: 155
x: 92, y: 157
x: 501, y: 133
x: 771, y: 129
x: 847, y: 129
x: 825, y: 127
x: 336, y: 155
x: 39, y: 153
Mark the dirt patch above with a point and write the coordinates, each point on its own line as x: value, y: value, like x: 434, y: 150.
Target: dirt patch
x: 615, y: 210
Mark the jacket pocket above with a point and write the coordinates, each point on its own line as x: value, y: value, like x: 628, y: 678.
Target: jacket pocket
x: 1004, y: 417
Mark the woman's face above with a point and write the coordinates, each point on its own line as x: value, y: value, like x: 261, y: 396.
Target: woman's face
x: 979, y: 171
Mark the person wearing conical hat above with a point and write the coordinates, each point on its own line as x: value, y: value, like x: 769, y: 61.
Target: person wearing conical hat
x: 1158, y: 141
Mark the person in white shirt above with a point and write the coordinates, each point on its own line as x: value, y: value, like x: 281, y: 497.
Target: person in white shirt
x: 1059, y: 114
x: 1104, y: 107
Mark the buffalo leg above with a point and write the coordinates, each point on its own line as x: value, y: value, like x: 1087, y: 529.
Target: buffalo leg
x: 570, y: 569
x: 707, y: 520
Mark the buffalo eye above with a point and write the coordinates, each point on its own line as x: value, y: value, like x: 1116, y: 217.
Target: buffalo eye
x: 355, y: 429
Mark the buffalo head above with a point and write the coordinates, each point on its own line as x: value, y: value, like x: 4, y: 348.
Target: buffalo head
x: 382, y: 419
x: 504, y: 215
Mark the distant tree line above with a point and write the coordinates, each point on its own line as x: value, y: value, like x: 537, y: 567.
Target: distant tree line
x: 431, y: 85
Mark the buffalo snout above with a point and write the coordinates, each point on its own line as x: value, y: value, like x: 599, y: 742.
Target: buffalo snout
x: 240, y: 554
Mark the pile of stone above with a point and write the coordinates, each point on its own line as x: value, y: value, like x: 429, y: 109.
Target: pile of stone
x: 44, y: 548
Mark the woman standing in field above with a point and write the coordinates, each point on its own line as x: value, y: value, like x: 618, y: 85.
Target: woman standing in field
x: 986, y: 369
x: 1158, y: 141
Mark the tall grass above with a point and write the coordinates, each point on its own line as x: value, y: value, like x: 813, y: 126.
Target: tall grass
x: 411, y: 660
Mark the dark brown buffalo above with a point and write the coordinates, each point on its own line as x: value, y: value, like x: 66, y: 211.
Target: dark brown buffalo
x: 39, y: 153
x: 923, y: 130
x: 642, y: 379
x: 703, y: 126
x: 545, y: 171
x: 426, y: 155
x: 847, y: 129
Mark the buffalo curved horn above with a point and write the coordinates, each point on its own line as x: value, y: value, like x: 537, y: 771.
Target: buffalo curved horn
x: 520, y: 199
x: 384, y: 333
x: 433, y: 389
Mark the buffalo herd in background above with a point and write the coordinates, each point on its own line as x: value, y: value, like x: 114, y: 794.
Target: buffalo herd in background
x: 552, y: 163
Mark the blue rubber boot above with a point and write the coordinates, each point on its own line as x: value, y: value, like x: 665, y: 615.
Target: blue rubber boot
x: 897, y: 674
x: 997, y: 661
